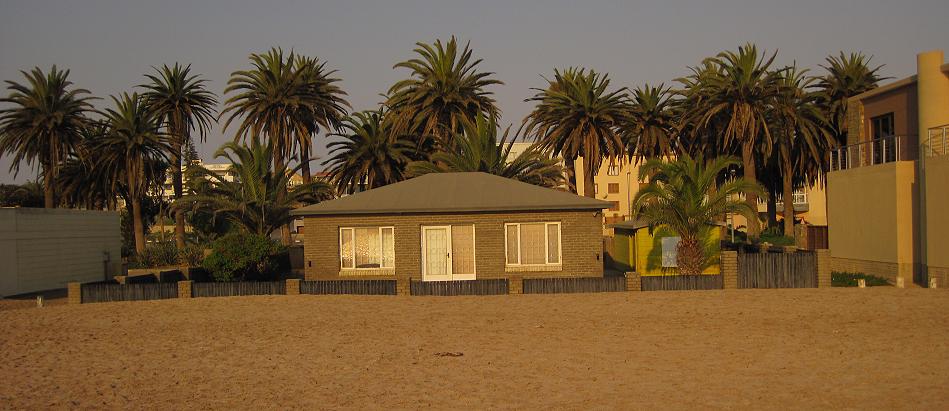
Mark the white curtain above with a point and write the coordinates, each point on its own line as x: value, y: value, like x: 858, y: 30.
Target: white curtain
x: 346, y: 248
x: 462, y: 249
x: 553, y: 243
x: 532, y: 243
x: 512, y: 249
x: 388, y: 248
x: 368, y: 254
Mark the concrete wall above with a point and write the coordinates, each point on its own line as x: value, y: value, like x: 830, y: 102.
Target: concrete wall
x: 581, y: 240
x: 44, y: 249
x: 937, y: 218
x: 873, y: 219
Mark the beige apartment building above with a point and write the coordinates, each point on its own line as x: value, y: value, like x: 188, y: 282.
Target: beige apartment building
x: 888, y: 189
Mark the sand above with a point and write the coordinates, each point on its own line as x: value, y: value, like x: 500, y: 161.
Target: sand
x: 880, y: 348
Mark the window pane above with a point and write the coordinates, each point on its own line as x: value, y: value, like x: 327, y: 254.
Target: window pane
x: 553, y: 243
x: 532, y: 244
x: 462, y: 249
x: 368, y: 254
x: 388, y: 248
x: 346, y: 248
x: 511, y: 244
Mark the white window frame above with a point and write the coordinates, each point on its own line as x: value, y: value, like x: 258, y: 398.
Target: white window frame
x: 353, y: 248
x: 612, y: 170
x: 546, y: 244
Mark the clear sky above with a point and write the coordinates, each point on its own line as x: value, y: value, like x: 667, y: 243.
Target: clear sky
x: 108, y: 45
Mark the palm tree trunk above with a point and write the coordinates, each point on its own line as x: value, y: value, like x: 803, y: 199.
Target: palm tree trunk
x: 49, y: 196
x: 281, y: 194
x: 690, y: 256
x: 305, y: 164
x: 571, y: 170
x: 748, y: 164
x: 177, y: 183
x: 137, y: 226
x: 772, y: 208
x: 588, y: 178
x: 788, y: 202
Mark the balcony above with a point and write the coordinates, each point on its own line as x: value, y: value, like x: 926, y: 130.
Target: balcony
x: 879, y: 151
x: 937, y: 143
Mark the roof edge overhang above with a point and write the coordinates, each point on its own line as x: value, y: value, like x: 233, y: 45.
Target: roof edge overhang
x: 306, y: 213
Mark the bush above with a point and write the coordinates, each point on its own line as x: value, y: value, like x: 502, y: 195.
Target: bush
x: 161, y: 254
x: 192, y: 255
x: 842, y: 279
x: 242, y: 256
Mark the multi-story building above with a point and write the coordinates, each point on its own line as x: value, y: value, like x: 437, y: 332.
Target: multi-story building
x: 888, y: 189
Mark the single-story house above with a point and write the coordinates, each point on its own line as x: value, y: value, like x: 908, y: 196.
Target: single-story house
x: 651, y: 250
x: 454, y: 226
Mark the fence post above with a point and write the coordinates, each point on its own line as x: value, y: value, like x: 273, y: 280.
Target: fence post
x: 74, y: 293
x: 402, y: 286
x: 729, y: 264
x: 515, y: 285
x: 823, y: 268
x: 293, y: 286
x: 633, y: 282
x: 184, y: 289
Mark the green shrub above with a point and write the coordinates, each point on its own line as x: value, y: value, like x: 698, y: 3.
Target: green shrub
x: 160, y: 254
x: 192, y: 255
x: 242, y: 256
x: 843, y: 279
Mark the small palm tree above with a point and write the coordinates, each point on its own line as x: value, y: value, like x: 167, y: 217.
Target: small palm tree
x: 478, y: 149
x: 847, y: 76
x: 652, y: 123
x: 685, y: 196
x: 368, y: 156
x: 43, y: 123
x: 444, y: 90
x: 133, y: 149
x: 578, y: 116
x: 252, y: 198
x: 182, y: 103
x: 804, y: 137
x: 737, y: 98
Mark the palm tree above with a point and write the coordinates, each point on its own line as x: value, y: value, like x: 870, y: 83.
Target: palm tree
x: 478, y: 149
x: 134, y: 149
x: 274, y: 102
x: 252, y: 199
x: 368, y: 154
x: 847, y: 76
x: 43, y: 123
x: 738, y: 97
x: 652, y: 123
x: 684, y: 195
x: 804, y: 136
x: 577, y: 116
x: 327, y: 107
x: 84, y: 181
x: 444, y: 90
x: 182, y: 103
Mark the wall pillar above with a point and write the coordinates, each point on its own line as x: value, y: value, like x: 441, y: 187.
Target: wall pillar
x: 516, y: 285
x: 293, y: 286
x: 633, y: 282
x: 729, y: 263
x: 184, y: 289
x: 823, y: 269
x: 402, y: 286
x: 74, y: 293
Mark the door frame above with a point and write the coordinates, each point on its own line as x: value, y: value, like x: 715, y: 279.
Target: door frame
x: 450, y: 276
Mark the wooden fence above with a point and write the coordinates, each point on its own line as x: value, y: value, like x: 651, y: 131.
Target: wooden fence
x: 363, y: 287
x: 105, y: 292
x: 681, y: 282
x: 574, y: 285
x: 777, y: 270
x: 227, y: 289
x: 471, y: 287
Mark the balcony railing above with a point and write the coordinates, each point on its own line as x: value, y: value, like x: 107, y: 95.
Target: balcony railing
x: 937, y: 144
x: 880, y: 151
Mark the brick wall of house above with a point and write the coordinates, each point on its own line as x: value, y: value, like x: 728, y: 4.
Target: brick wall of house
x: 581, y: 233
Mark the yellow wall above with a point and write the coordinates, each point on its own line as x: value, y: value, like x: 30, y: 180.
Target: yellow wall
x: 937, y: 216
x: 648, y: 251
x: 872, y: 214
x: 622, y: 252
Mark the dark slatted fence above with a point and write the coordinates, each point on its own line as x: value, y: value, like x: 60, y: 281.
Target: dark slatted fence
x: 227, y: 289
x: 102, y: 292
x: 363, y: 287
x: 574, y: 285
x: 471, y: 287
x: 777, y: 270
x: 681, y: 282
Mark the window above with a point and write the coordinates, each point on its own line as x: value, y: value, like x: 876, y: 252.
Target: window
x: 532, y: 243
x: 882, y: 126
x: 366, y: 247
x: 614, y: 205
x: 613, y: 188
x: 670, y: 252
x: 612, y: 170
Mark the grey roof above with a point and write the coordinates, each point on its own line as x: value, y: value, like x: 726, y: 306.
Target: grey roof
x: 453, y: 192
x: 638, y: 223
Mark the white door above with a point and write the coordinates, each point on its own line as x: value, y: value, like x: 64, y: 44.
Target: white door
x: 436, y: 253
